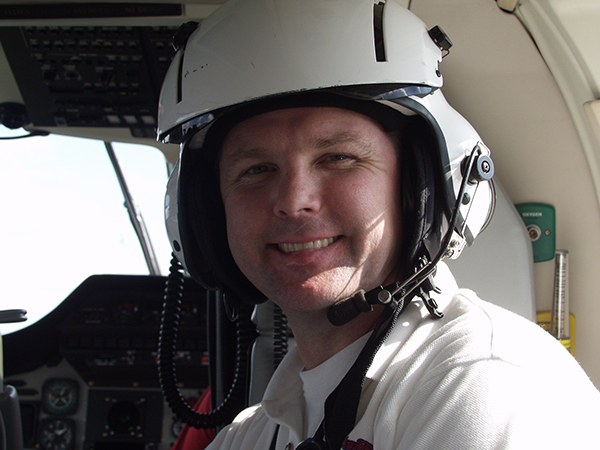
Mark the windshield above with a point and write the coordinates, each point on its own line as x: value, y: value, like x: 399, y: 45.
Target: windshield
x: 64, y: 218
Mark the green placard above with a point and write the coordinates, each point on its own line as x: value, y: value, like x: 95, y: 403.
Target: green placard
x: 540, y: 220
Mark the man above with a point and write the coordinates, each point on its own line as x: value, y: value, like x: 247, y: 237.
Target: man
x: 321, y: 168
x: 313, y: 207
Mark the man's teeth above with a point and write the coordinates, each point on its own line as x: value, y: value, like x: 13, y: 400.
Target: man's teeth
x: 288, y: 248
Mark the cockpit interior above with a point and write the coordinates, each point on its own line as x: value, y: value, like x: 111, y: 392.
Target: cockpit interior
x: 79, y: 371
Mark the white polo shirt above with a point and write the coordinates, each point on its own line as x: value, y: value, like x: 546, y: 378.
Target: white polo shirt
x: 479, y: 378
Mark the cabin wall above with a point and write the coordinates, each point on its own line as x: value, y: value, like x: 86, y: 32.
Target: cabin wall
x: 496, y: 77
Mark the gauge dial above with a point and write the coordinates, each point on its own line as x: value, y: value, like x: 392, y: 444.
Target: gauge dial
x: 57, y: 434
x: 60, y: 396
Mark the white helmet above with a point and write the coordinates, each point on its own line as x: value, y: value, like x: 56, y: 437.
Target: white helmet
x: 377, y: 58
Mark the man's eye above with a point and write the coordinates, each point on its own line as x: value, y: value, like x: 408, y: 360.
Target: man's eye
x: 257, y: 170
x: 340, y: 157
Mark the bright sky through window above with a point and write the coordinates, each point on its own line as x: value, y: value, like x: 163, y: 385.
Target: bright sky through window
x: 64, y: 218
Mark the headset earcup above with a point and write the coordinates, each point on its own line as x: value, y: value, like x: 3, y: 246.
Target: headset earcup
x: 420, y: 214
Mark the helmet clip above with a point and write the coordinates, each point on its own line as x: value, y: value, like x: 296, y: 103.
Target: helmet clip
x: 441, y: 39
x: 456, y: 246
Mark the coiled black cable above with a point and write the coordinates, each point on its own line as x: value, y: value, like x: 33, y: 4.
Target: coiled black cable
x: 280, y: 335
x: 235, y: 399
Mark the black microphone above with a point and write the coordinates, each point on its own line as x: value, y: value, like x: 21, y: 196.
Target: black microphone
x: 347, y: 309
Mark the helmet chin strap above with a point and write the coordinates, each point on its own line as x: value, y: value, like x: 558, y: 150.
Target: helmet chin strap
x: 421, y: 281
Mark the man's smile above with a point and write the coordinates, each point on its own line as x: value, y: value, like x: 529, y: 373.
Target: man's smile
x: 295, y: 247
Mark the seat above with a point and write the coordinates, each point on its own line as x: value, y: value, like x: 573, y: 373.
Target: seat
x: 499, y: 264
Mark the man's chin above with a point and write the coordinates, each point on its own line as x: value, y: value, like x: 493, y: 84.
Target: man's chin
x: 308, y: 301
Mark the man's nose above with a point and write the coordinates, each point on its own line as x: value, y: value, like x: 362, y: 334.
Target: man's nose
x: 297, y: 194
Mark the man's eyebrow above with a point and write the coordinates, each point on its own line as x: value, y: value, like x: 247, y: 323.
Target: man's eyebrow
x: 240, y: 153
x: 339, y: 138
x: 321, y: 142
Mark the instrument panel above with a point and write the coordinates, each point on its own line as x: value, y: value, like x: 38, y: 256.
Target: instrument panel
x: 90, y: 76
x: 87, y: 373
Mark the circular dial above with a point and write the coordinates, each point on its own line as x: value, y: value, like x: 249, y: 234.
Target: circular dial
x: 57, y: 434
x: 60, y: 396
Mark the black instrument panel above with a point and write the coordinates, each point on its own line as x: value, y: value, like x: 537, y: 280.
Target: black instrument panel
x: 87, y: 373
x: 106, y: 76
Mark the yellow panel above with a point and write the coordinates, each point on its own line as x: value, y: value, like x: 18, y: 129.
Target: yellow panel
x: 544, y: 320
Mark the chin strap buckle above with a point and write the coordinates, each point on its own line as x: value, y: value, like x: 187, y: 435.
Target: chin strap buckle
x: 427, y: 286
x: 431, y: 305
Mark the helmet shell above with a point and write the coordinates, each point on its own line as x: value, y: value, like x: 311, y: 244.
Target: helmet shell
x: 250, y: 49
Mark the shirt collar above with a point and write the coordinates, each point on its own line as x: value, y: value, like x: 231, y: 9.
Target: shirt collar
x: 415, y: 317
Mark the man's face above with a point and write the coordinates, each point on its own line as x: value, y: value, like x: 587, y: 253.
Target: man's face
x: 312, y: 204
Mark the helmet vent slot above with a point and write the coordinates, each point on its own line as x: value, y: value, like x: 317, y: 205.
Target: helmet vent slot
x: 378, y: 31
x: 180, y: 79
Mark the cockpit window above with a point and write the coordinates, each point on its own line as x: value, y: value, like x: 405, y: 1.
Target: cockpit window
x: 64, y: 218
